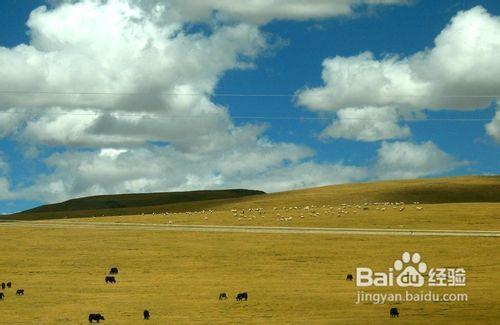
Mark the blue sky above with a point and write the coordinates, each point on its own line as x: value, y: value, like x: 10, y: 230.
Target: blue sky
x: 161, y: 125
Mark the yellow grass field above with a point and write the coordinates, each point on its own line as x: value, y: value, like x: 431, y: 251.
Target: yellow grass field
x: 455, y: 216
x: 290, y: 278
x: 178, y: 276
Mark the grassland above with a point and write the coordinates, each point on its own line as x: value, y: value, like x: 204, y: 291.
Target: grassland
x: 457, y: 216
x: 177, y: 276
x: 290, y: 278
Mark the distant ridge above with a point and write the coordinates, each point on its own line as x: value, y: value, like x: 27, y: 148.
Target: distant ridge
x: 127, y: 203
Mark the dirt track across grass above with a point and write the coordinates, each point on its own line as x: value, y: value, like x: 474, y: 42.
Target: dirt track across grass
x: 248, y: 229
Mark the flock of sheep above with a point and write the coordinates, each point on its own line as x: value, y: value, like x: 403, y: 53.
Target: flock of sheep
x: 299, y: 212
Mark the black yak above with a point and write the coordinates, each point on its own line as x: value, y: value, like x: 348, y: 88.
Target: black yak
x: 95, y: 317
x: 394, y: 312
x: 242, y: 296
x: 110, y: 279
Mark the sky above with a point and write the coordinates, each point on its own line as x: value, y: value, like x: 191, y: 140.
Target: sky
x: 125, y: 96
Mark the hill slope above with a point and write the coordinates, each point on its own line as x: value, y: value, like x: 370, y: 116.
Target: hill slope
x: 127, y: 203
x: 435, y: 190
x: 438, y: 190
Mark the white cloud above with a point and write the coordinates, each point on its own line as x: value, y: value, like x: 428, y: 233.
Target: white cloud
x: 493, y: 128
x: 265, y: 165
x: 307, y: 174
x: 258, y: 11
x: 398, y: 160
x: 115, y: 47
x: 363, y: 81
x: 462, y: 62
x: 367, y: 124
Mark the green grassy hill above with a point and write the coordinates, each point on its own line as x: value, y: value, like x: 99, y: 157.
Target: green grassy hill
x: 426, y: 191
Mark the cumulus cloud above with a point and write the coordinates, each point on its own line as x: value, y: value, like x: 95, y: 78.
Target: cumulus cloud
x: 462, y: 62
x: 109, y: 74
x: 116, y: 48
x: 258, y: 11
x: 399, y: 160
x: 493, y: 128
x: 367, y: 124
x: 265, y: 165
x: 362, y: 81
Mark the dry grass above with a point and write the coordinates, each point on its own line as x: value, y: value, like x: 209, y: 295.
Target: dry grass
x: 459, y: 216
x: 290, y: 278
x: 178, y: 276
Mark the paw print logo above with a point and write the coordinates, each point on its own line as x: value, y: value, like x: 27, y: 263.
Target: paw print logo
x: 410, y: 275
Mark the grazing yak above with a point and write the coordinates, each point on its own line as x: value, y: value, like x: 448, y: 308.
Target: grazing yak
x: 222, y: 296
x: 95, y: 317
x: 394, y: 312
x: 110, y: 279
x: 113, y: 270
x: 242, y: 296
x: 349, y: 277
x: 1, y: 295
x: 3, y: 285
x: 20, y: 292
x: 146, y: 314
x: 9, y: 284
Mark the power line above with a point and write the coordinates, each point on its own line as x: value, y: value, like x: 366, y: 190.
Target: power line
x: 250, y: 117
x: 42, y: 92
x: 236, y: 117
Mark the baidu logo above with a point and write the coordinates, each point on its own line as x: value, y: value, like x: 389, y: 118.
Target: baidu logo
x: 411, y: 270
x: 408, y: 272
